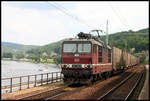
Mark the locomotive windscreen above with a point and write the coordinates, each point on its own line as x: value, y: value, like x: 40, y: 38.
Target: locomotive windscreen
x: 69, y: 48
x: 84, y: 48
x: 79, y: 47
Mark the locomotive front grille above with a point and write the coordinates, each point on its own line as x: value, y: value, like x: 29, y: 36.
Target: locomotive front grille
x: 76, y: 66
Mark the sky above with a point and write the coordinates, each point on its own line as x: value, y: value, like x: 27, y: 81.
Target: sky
x: 41, y: 23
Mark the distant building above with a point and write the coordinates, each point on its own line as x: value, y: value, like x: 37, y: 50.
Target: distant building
x: 26, y: 55
x: 146, y: 53
x: 132, y: 50
x: 44, y: 54
x: 53, y: 54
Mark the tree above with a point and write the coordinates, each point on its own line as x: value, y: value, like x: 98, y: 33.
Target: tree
x: 7, y: 55
x: 19, y: 56
x: 57, y: 59
x: 34, y: 58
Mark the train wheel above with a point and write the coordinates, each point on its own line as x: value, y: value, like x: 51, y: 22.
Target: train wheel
x: 94, y: 78
x: 107, y: 75
x: 99, y: 76
x: 111, y: 73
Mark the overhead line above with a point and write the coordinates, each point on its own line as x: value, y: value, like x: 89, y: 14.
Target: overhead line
x: 123, y: 16
x: 117, y: 14
x: 76, y: 18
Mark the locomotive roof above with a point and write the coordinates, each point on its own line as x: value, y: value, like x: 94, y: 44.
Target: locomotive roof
x: 101, y: 43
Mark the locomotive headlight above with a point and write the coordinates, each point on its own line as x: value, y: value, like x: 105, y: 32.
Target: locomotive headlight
x: 86, y: 66
x: 82, y: 65
x: 68, y: 65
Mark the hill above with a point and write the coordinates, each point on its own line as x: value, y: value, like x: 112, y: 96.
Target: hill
x: 130, y: 39
x: 15, y: 47
x: 52, y: 47
x: 124, y: 40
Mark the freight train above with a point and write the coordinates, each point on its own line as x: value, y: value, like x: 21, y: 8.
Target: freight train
x: 86, y: 59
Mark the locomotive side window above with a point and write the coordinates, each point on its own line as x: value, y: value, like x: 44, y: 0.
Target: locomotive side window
x: 109, y: 55
x: 99, y: 54
x: 69, y: 48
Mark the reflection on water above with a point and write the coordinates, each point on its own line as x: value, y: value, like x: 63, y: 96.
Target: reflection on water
x: 13, y: 68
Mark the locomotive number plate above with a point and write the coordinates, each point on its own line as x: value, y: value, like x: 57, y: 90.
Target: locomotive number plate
x: 76, y: 60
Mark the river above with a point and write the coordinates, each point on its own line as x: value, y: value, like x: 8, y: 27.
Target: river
x: 14, y: 68
x: 11, y: 69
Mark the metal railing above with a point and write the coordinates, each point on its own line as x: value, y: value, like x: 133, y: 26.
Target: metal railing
x: 23, y: 82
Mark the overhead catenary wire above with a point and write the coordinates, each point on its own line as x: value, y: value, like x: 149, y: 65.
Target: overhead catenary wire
x: 71, y: 14
x: 123, y: 16
x: 65, y: 11
x: 118, y: 15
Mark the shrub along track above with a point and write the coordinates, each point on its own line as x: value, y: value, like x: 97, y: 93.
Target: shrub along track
x: 99, y: 88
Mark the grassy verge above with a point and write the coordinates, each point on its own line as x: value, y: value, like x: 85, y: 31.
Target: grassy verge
x: 31, y: 61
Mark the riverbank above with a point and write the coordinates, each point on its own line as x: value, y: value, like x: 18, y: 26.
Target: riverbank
x: 30, y: 61
x: 15, y: 68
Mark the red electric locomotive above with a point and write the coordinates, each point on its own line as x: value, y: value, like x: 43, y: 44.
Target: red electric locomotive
x: 85, y: 59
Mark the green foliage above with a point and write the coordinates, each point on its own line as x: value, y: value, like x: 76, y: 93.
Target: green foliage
x: 19, y: 56
x: 34, y: 58
x: 130, y: 39
x: 53, y: 47
x: 57, y: 59
x: 50, y: 61
x: 7, y: 55
x: 125, y: 40
x: 16, y: 48
x: 142, y: 58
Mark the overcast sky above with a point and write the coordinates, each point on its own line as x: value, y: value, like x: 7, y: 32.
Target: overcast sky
x: 41, y: 23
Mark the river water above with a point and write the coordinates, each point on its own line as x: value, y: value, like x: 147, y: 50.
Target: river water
x: 13, y: 68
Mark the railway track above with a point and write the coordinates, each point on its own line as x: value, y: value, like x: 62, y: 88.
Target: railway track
x: 101, y: 87
x: 124, y: 89
x: 65, y: 90
x: 48, y: 94
x: 44, y: 94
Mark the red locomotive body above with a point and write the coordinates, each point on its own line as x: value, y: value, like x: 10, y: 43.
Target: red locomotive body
x: 86, y: 59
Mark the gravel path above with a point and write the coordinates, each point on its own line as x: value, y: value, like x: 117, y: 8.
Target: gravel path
x: 144, y: 95
x: 26, y: 92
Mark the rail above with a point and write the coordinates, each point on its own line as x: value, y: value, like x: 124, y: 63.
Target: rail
x: 121, y: 83
x: 118, y: 85
x: 22, y: 82
x: 139, y: 79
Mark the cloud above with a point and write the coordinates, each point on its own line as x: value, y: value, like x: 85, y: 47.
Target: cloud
x: 96, y: 14
x: 40, y: 26
x: 31, y: 26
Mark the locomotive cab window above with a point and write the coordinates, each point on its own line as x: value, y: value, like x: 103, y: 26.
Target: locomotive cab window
x: 99, y: 54
x: 69, y: 48
x: 109, y: 55
x: 84, y: 47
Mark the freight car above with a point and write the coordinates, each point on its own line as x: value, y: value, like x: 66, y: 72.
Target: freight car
x: 86, y: 59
